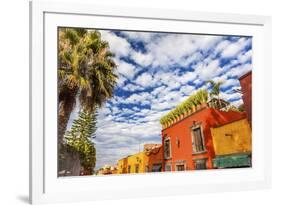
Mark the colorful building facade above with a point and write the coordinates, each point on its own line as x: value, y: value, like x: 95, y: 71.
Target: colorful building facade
x: 149, y: 160
x: 232, y: 144
x: 233, y: 140
x: 188, y: 144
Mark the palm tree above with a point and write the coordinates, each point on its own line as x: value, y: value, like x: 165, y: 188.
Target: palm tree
x: 215, y: 89
x: 85, y: 72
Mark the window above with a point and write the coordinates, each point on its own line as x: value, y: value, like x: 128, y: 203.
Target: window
x: 180, y: 167
x: 168, y: 168
x: 129, y: 169
x: 200, y: 164
x: 157, y: 168
x: 137, y: 168
x: 167, y: 148
x: 198, y: 141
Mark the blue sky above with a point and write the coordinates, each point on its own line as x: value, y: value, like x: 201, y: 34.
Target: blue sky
x: 156, y: 72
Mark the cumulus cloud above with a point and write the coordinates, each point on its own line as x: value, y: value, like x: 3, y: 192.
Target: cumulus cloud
x: 143, y: 59
x: 145, y: 37
x: 127, y: 70
x: 144, y: 80
x: 239, y: 70
x: 209, y: 70
x: 119, y: 46
x: 132, y: 87
x: 244, y: 57
x: 234, y: 48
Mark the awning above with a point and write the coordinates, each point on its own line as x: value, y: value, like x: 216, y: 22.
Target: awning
x: 232, y: 161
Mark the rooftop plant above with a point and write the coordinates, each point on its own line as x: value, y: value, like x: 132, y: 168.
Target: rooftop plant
x: 200, y: 97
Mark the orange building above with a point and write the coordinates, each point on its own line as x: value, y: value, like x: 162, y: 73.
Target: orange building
x: 154, y: 153
x: 187, y: 143
x: 246, y: 87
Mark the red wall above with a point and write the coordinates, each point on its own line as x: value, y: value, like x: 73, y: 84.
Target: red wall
x: 246, y: 86
x: 209, y: 117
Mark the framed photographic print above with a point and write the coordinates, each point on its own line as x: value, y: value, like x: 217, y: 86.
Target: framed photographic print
x: 128, y: 102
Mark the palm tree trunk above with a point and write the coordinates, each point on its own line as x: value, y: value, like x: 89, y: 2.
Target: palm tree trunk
x: 65, y: 108
x: 66, y: 105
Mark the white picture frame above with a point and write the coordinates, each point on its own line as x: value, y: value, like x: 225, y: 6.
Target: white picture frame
x: 46, y: 187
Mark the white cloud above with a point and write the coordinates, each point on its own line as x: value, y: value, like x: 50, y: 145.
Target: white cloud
x: 119, y: 46
x: 222, y: 45
x: 158, y: 90
x: 186, y: 90
x: 144, y: 80
x: 132, y: 87
x: 140, y: 36
x: 197, y: 81
x: 240, y: 70
x: 121, y: 80
x: 230, y: 96
x: 187, y: 77
x: 208, y: 71
x: 206, y: 42
x: 242, y: 58
x: 171, y: 49
x: 137, y: 98
x: 234, y: 48
x: 142, y: 59
x: 192, y: 58
x: 128, y: 70
x: 230, y: 82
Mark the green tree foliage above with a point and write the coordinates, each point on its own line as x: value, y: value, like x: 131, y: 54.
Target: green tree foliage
x: 78, y: 139
x: 215, y: 89
x: 233, y: 108
x: 200, y: 97
x: 86, y: 71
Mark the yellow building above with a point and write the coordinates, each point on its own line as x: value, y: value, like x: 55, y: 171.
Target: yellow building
x: 132, y: 164
x: 232, y: 144
x: 150, y: 160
